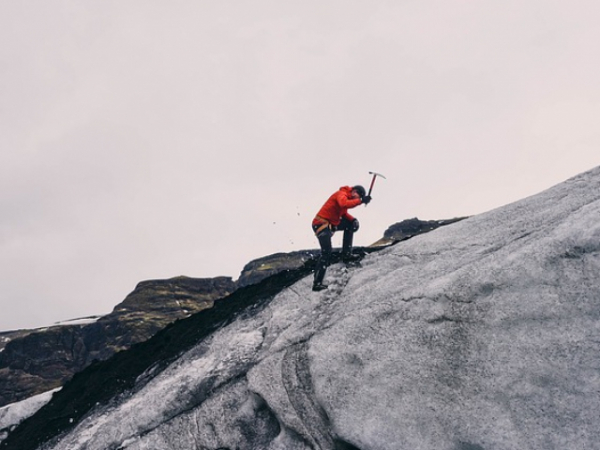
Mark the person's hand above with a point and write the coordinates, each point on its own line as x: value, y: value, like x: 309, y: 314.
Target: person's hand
x: 366, y: 199
x: 355, y: 225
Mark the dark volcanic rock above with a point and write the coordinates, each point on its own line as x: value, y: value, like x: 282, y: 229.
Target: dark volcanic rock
x: 411, y: 227
x: 35, y: 361
x: 156, y: 303
x: 39, y: 361
x: 259, y: 269
x: 7, y: 336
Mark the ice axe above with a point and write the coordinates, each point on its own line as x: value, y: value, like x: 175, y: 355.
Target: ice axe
x: 375, y: 175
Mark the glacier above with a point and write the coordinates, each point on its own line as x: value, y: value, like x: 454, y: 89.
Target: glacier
x: 480, y: 335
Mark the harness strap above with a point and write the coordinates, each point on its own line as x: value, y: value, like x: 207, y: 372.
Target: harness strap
x: 324, y: 224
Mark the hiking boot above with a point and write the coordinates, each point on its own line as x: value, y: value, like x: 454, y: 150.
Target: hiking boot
x: 319, y: 287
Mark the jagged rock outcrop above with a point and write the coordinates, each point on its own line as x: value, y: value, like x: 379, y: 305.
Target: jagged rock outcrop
x: 7, y: 336
x: 156, y: 303
x: 411, y: 227
x: 35, y: 361
x: 259, y: 269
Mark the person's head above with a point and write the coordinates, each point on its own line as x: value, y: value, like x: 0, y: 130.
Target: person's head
x: 359, y: 191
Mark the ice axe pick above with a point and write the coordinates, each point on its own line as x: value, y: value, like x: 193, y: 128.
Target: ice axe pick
x: 375, y: 175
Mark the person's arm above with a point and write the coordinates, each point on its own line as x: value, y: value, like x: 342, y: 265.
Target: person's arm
x: 347, y: 203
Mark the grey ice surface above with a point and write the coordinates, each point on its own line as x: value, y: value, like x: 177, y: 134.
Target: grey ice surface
x: 481, y: 335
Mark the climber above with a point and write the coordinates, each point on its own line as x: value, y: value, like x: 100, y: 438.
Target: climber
x: 333, y: 216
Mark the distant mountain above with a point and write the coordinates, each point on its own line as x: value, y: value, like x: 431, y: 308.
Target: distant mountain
x: 35, y: 361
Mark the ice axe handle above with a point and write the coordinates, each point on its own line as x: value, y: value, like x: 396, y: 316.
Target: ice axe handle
x: 372, y: 184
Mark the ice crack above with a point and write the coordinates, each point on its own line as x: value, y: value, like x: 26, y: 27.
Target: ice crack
x: 297, y: 381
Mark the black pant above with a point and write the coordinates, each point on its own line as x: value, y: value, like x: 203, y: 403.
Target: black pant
x: 324, y: 237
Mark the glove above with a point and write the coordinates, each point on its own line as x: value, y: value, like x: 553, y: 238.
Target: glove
x: 355, y: 225
x: 366, y: 199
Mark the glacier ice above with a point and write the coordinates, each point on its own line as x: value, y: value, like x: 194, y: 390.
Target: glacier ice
x: 13, y: 414
x: 483, y: 334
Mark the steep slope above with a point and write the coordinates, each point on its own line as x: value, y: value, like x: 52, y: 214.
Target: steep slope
x: 484, y: 334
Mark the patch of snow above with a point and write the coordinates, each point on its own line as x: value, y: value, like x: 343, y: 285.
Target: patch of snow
x: 13, y: 414
x: 80, y: 321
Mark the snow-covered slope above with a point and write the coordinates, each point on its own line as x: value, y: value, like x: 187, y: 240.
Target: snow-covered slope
x: 484, y: 334
x: 13, y: 414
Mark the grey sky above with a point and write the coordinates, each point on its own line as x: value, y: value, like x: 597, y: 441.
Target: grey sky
x: 149, y: 139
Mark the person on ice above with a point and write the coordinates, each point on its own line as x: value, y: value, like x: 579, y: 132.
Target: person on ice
x: 334, y: 216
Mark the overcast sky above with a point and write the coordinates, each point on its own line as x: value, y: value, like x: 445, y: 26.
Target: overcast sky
x: 149, y: 139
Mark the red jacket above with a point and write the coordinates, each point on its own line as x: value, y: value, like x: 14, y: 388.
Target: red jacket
x: 337, y: 207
